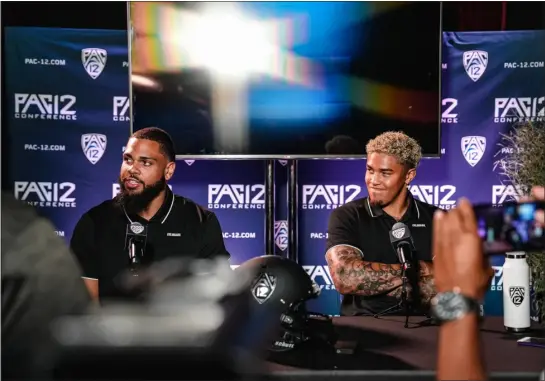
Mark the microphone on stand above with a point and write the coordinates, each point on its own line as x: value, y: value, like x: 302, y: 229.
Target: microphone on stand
x: 135, y: 244
x: 402, y: 242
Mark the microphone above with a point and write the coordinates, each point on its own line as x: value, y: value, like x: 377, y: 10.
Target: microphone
x: 403, y: 244
x: 135, y: 242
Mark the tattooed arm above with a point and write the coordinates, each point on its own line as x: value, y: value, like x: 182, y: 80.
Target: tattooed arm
x: 349, y: 272
x: 426, y: 285
x: 427, y: 289
x: 352, y: 275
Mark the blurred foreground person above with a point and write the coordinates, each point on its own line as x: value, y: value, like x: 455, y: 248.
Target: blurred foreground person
x: 462, y: 276
x: 40, y: 282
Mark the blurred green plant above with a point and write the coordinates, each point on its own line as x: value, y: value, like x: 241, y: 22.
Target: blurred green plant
x: 523, y: 165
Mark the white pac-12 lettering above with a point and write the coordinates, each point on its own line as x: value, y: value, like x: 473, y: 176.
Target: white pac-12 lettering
x: 449, y: 105
x: 236, y: 194
x: 524, y: 107
x: 45, y: 191
x: 503, y: 193
x: 45, y: 104
x: 331, y: 194
x: 116, y: 188
x: 439, y: 195
x: 120, y: 108
x: 321, y: 275
x: 496, y: 284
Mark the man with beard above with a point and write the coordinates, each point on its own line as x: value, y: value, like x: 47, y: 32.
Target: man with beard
x: 364, y: 266
x: 145, y: 213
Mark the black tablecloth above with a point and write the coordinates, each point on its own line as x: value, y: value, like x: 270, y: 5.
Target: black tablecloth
x: 384, y: 344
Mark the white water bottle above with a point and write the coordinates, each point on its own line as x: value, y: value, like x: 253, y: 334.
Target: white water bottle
x: 516, y: 292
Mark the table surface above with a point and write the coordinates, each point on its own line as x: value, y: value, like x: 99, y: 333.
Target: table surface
x: 384, y: 344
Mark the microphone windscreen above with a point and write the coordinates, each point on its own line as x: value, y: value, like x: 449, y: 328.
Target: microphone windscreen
x: 399, y: 232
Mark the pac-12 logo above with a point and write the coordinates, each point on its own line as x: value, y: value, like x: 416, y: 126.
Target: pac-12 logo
x: 398, y: 233
x: 521, y: 109
x: 94, y: 61
x: 46, y: 194
x: 438, y: 195
x: 281, y: 234
x: 328, y: 196
x: 120, y: 109
x: 93, y: 146
x: 45, y: 106
x: 517, y: 295
x: 475, y: 63
x: 236, y: 196
x: 137, y: 228
x: 321, y: 275
x: 473, y: 149
x: 264, y: 287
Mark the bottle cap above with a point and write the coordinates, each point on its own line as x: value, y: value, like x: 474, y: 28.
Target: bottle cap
x: 516, y: 255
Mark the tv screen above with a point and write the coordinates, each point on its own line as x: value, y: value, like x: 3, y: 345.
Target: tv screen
x: 286, y: 79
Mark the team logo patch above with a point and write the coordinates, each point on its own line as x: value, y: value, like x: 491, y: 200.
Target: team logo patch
x: 189, y: 162
x: 517, y: 295
x: 137, y: 228
x: 473, y: 148
x: 398, y: 233
x: 93, y: 146
x: 281, y: 234
x: 264, y: 287
x: 283, y: 162
x: 94, y: 61
x: 475, y: 63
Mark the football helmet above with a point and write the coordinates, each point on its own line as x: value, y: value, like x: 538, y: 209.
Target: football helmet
x: 285, y: 286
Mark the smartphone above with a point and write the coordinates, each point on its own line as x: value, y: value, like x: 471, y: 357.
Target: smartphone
x: 532, y: 342
x: 510, y: 227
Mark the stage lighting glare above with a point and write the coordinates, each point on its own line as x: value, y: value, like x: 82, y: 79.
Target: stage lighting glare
x: 229, y: 44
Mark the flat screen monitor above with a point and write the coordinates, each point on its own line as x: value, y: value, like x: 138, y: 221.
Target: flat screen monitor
x: 286, y: 79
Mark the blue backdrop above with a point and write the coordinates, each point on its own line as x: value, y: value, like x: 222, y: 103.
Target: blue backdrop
x: 68, y: 103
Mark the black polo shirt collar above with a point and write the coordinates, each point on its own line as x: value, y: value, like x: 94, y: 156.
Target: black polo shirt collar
x: 412, y: 211
x: 162, y: 214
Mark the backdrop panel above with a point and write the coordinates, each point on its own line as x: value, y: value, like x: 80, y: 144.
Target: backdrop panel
x: 67, y: 94
x: 68, y: 103
x: 490, y: 81
x: 235, y: 191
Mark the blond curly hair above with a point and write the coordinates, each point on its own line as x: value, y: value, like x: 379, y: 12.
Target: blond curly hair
x: 397, y: 144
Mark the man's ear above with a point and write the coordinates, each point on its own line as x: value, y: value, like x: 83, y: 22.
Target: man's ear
x: 169, y: 170
x: 409, y: 177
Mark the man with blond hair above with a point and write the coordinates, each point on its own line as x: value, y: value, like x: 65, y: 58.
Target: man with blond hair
x: 363, y: 263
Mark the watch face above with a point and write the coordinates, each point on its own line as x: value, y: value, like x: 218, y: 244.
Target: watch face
x: 450, y: 306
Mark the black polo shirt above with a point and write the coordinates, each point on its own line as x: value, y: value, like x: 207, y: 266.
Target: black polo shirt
x: 367, y: 228
x: 180, y: 228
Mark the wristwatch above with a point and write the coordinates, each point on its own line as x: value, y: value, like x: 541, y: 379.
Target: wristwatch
x: 452, y: 305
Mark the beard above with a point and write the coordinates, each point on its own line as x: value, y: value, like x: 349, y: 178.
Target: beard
x: 135, y: 203
x: 384, y: 203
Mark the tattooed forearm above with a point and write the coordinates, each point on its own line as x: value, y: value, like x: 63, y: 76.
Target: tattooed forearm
x: 352, y: 275
x: 427, y: 289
